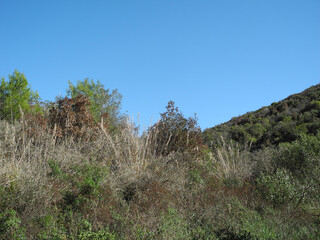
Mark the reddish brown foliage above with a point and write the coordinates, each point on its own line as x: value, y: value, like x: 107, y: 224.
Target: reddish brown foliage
x: 153, y: 197
x: 72, y: 117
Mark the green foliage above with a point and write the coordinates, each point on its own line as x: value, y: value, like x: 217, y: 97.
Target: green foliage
x: 103, y: 101
x: 279, y: 188
x: 302, y: 159
x: 53, y: 229
x: 88, y: 234
x: 85, y: 187
x: 99, y: 235
x: 50, y: 229
x: 143, y: 233
x: 195, y: 176
x: 269, y: 126
x: 297, y: 231
x: 10, y: 226
x: 16, y: 96
x: 91, y: 181
x: 229, y: 234
x: 247, y: 224
x: 240, y: 134
x: 55, y: 168
x: 201, y: 229
x: 173, y: 226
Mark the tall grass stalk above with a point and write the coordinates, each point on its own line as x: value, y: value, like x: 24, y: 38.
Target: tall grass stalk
x: 231, y: 163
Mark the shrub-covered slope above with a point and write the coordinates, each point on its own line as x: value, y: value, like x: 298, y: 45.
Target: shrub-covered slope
x: 66, y: 175
x: 282, y: 121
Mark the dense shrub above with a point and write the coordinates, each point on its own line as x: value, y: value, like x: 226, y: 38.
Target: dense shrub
x: 175, y: 133
x: 279, y: 188
x: 120, y: 185
x: 71, y: 117
x: 10, y: 226
x: 302, y: 159
x: 173, y: 226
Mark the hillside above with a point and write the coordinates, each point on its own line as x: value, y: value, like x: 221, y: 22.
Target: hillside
x: 282, y: 121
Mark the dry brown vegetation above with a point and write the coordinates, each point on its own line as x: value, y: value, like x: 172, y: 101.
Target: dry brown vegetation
x: 68, y: 177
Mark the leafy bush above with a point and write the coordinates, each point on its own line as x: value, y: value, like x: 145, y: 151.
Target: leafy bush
x: 55, y: 169
x: 88, y: 234
x: 245, y: 223
x: 84, y: 187
x: 50, y: 229
x: 302, y: 159
x: 173, y: 226
x: 301, y: 156
x: 10, y: 226
x: 279, y: 188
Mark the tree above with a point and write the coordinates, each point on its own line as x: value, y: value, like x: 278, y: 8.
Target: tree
x: 175, y: 133
x: 16, y: 95
x: 103, y: 101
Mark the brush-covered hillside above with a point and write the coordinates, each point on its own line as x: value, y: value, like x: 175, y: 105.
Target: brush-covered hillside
x: 282, y: 121
x: 77, y: 168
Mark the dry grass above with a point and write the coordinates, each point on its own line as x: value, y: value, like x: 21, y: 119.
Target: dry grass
x: 133, y: 164
x: 24, y: 161
x: 136, y: 192
x: 230, y: 163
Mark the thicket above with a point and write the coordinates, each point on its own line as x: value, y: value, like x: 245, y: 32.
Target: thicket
x: 66, y: 175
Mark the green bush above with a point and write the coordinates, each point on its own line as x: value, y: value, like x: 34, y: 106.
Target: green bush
x: 245, y: 223
x: 87, y: 234
x: 84, y: 186
x: 55, y: 169
x: 173, y: 226
x: 50, y: 229
x: 195, y: 176
x: 278, y: 188
x: 301, y: 156
x: 10, y: 226
x: 302, y: 159
x: 295, y: 230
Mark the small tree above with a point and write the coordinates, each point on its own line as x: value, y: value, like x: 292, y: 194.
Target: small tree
x: 175, y: 133
x: 16, y: 95
x: 103, y: 101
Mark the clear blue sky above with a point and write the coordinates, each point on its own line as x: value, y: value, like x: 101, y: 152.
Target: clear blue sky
x: 216, y: 58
